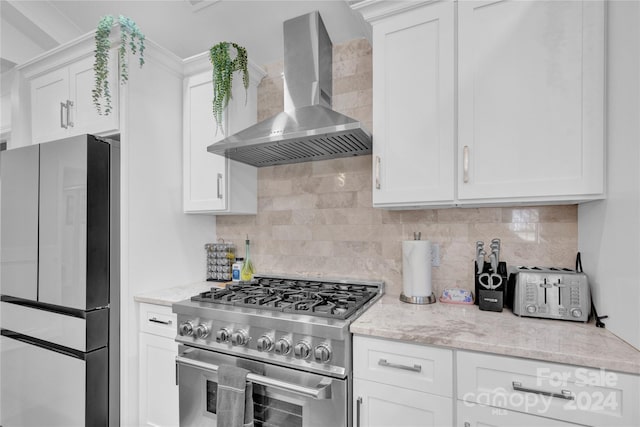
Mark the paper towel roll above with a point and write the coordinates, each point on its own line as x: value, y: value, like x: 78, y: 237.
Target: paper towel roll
x: 416, y: 268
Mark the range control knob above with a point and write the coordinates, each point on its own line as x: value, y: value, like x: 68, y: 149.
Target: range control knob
x: 202, y: 331
x: 283, y: 346
x: 531, y: 309
x: 301, y: 350
x: 264, y: 343
x: 222, y: 335
x: 186, y: 329
x: 239, y: 337
x: 322, y: 353
x: 576, y: 312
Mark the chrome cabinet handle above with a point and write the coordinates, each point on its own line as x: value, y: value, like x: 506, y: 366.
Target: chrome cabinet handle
x: 414, y: 368
x: 378, y: 172
x: 163, y: 322
x: 467, y: 424
x: 321, y: 391
x: 219, y: 183
x: 564, y: 394
x: 358, y: 405
x: 69, y: 105
x: 465, y: 163
x: 62, y: 124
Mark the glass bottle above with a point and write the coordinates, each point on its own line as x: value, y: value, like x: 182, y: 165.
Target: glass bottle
x: 246, y: 274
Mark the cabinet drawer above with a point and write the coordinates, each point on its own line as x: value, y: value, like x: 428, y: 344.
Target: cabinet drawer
x: 564, y: 392
x: 411, y: 366
x: 475, y: 415
x: 157, y: 320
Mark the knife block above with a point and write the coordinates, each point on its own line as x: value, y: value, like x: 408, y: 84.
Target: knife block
x: 497, y: 293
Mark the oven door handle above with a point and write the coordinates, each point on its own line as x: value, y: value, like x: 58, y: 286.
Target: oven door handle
x: 321, y: 391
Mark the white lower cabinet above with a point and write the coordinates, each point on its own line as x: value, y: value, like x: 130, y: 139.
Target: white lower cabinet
x: 158, y: 351
x: 386, y: 405
x: 401, y: 384
x: 575, y: 394
x: 475, y: 415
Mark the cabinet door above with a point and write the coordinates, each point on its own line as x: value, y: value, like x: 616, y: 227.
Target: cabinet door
x: 475, y: 415
x: 413, y: 107
x: 383, y: 405
x: 212, y: 183
x: 83, y: 115
x: 158, y: 389
x: 531, y: 87
x: 49, y: 96
x: 205, y: 174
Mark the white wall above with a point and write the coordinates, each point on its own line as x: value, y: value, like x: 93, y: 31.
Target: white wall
x: 6, y: 80
x: 161, y: 246
x: 609, y: 230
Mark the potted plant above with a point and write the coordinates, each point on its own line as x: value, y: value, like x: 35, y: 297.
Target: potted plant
x: 223, y: 68
x: 131, y: 37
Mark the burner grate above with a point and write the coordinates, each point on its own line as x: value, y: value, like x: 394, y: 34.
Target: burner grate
x: 316, y: 298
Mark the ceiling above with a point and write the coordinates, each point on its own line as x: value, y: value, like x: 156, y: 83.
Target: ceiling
x: 185, y: 27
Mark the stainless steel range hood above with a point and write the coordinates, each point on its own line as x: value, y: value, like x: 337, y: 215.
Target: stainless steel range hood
x: 308, y: 129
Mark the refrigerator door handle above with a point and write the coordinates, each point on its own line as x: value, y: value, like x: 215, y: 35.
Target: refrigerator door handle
x: 43, y: 344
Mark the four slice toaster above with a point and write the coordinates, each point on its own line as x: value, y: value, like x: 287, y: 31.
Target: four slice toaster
x: 552, y: 293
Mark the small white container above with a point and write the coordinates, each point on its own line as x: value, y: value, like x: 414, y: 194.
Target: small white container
x: 236, y: 268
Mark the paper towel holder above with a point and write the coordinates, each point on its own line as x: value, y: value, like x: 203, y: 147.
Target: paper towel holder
x: 429, y: 299
x: 418, y: 300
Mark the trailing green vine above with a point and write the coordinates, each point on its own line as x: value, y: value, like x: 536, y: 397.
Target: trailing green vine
x: 223, y: 69
x: 131, y: 37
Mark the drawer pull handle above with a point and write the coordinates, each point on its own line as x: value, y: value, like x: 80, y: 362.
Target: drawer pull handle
x: 69, y: 105
x: 163, y: 322
x: 564, y: 394
x: 414, y: 368
x: 358, y: 408
x: 63, y: 106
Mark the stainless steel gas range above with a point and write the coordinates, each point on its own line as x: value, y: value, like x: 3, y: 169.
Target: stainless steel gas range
x: 291, y: 333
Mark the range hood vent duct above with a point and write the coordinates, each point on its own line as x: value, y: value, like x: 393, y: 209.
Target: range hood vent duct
x: 308, y: 129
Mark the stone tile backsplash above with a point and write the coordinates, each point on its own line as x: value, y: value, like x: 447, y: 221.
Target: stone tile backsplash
x: 317, y: 219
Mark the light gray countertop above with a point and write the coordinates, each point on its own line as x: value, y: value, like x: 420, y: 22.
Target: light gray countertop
x: 465, y: 327
x: 177, y: 293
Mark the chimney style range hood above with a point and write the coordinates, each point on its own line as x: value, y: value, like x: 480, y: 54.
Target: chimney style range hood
x: 308, y: 129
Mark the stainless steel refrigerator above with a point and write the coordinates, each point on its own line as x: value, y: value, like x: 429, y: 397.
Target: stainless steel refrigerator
x: 59, y: 283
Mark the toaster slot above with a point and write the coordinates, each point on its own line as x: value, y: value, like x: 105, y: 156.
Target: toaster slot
x: 560, y: 287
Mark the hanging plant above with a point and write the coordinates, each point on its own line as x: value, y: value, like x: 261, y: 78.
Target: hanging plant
x: 223, y: 69
x: 131, y: 37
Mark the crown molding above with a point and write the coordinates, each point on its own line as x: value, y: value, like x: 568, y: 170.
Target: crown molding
x: 375, y: 10
x: 200, y: 63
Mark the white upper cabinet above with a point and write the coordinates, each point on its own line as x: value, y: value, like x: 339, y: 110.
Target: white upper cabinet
x: 62, y: 105
x: 531, y: 97
x: 501, y: 102
x: 213, y: 184
x: 413, y: 110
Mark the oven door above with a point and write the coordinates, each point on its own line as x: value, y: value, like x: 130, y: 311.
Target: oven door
x: 282, y: 396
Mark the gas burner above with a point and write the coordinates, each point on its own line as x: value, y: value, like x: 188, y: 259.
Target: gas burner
x: 315, y: 298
